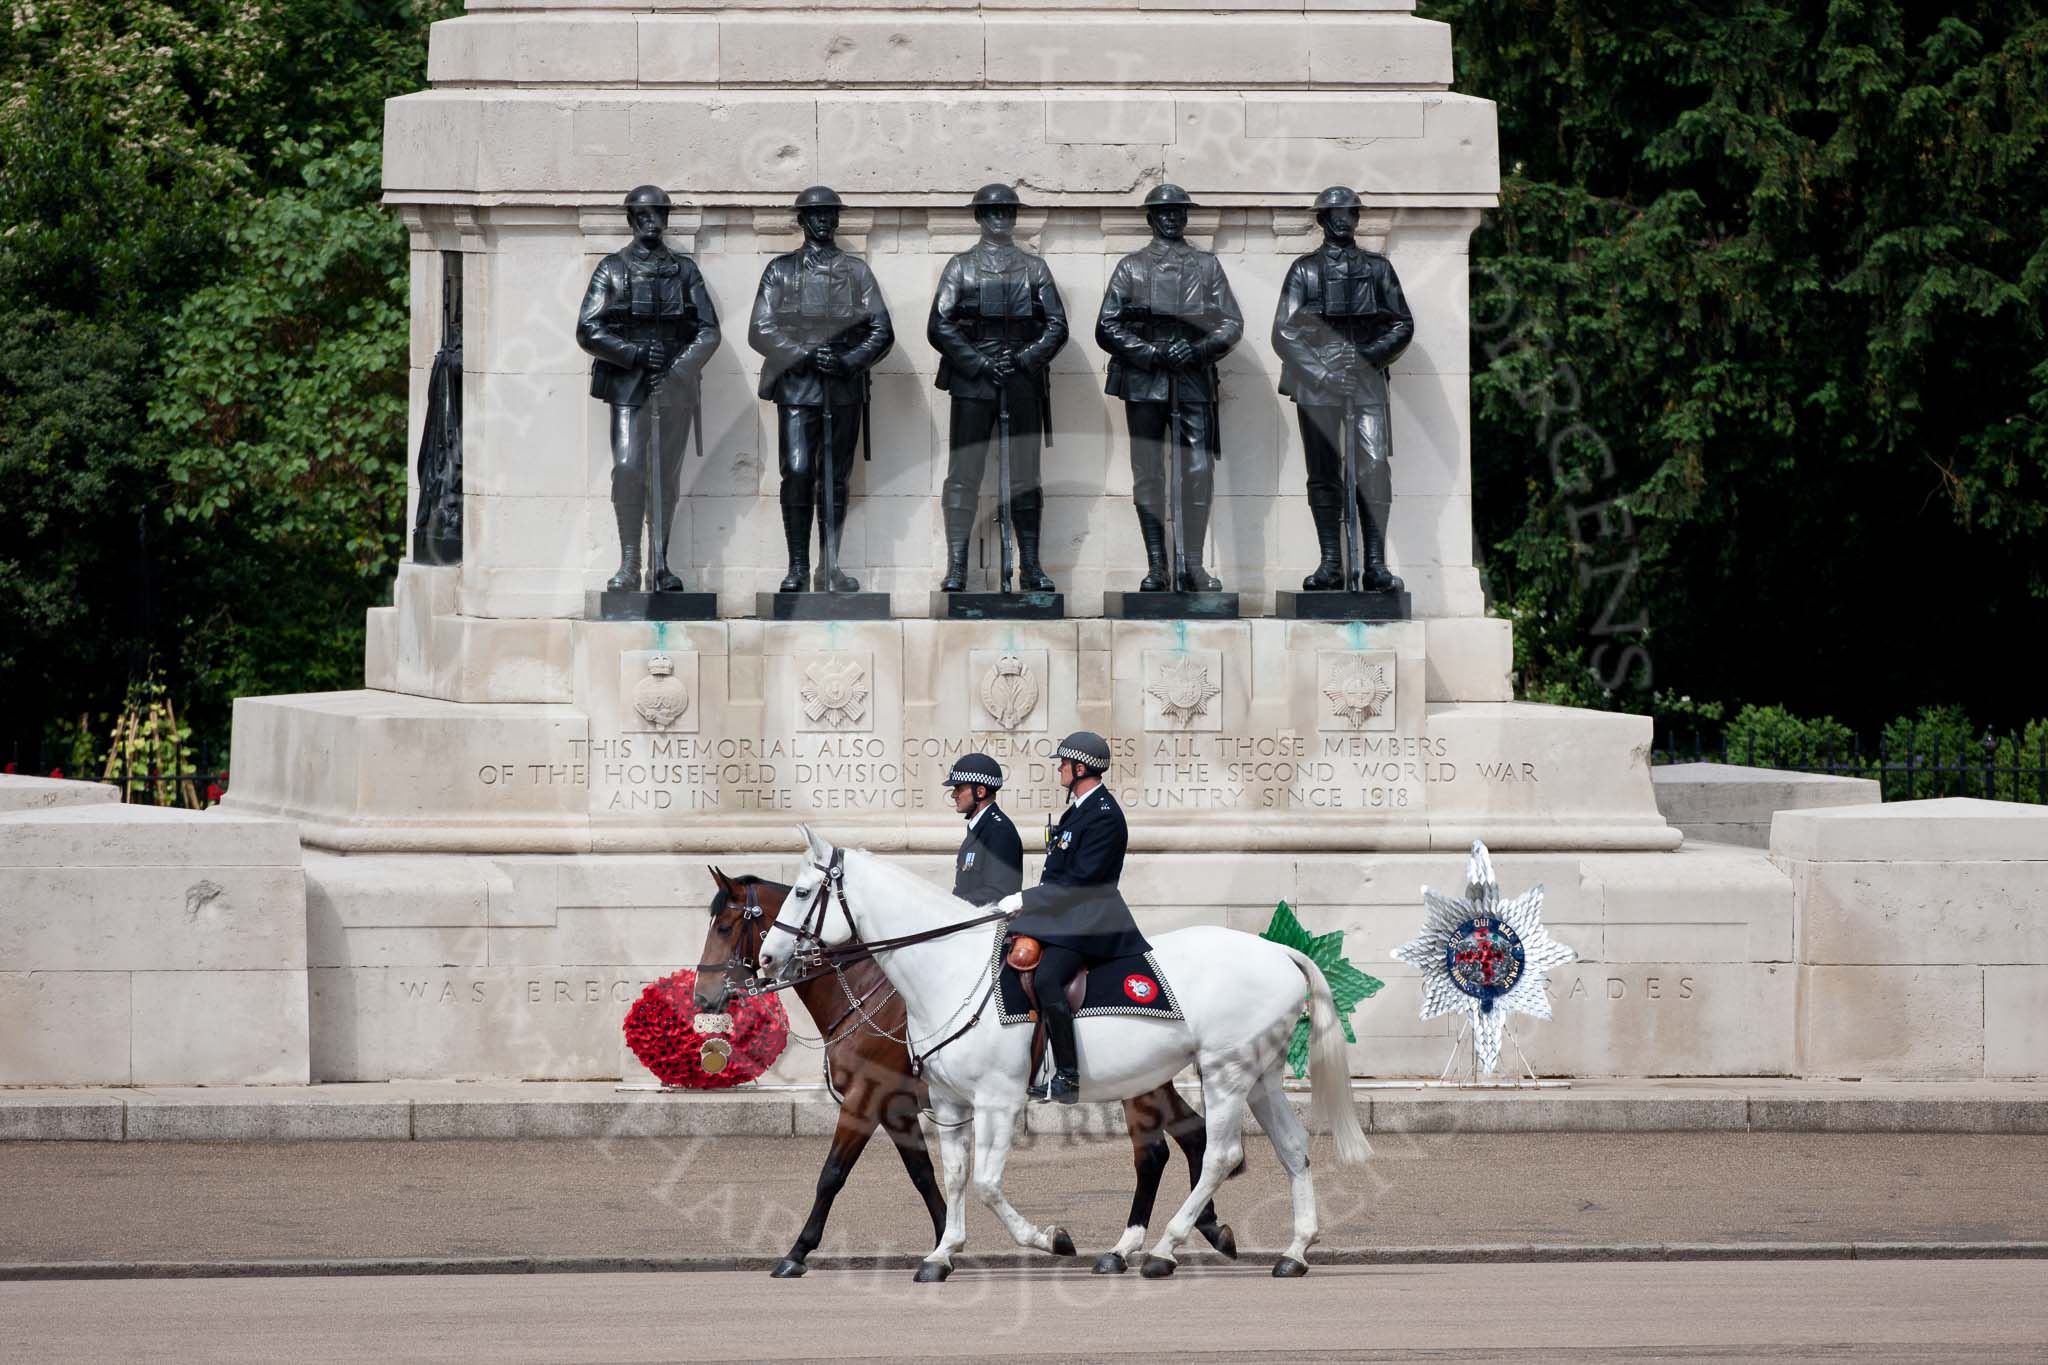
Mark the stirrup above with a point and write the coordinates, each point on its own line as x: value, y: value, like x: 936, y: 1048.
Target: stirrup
x: 1064, y: 1087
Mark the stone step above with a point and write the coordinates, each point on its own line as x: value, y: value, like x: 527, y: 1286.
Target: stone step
x: 422, y: 1111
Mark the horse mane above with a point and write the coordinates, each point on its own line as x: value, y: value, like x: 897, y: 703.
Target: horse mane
x: 904, y: 877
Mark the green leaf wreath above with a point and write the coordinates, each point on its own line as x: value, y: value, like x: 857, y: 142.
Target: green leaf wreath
x: 1348, y: 985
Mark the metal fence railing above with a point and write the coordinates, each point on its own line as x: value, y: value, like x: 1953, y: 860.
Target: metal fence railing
x: 1921, y: 766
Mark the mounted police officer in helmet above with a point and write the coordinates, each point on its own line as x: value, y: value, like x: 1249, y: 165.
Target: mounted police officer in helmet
x: 990, y: 864
x: 1076, y: 912
x: 650, y: 323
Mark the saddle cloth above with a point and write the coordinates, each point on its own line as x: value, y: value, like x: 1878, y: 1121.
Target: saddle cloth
x: 1129, y: 985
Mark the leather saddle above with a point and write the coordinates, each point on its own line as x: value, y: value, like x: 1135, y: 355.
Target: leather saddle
x: 1023, y: 955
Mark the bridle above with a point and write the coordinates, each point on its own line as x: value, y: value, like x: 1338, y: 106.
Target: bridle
x: 814, y: 958
x: 753, y: 916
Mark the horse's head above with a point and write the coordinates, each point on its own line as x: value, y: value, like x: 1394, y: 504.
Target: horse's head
x: 740, y: 915
x: 815, y: 910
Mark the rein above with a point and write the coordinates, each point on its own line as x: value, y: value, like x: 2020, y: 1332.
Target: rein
x: 825, y: 960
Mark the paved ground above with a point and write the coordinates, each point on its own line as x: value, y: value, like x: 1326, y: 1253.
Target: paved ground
x: 668, y: 1198
x: 1749, y: 1311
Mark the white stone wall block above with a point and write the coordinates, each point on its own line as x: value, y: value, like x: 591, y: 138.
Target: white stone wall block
x: 1917, y: 1023
x: 220, y: 1028
x: 678, y: 49
x: 1379, y: 50
x: 20, y: 793
x: 908, y: 49
x: 1119, y: 50
x: 64, y: 1028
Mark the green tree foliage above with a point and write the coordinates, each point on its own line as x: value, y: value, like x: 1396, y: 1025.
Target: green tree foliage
x: 202, y: 406
x: 1758, y: 347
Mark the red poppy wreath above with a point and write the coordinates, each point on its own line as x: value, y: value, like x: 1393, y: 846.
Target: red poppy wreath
x: 685, y: 1046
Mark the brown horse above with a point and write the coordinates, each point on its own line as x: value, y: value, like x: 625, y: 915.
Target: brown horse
x: 868, y: 1066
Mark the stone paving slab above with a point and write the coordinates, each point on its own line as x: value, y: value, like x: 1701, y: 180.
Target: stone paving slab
x: 428, y: 1110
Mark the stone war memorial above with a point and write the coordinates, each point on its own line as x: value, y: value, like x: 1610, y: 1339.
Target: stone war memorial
x: 703, y: 559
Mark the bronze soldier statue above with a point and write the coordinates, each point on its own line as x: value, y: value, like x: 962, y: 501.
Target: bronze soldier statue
x: 997, y: 321
x: 1167, y: 317
x: 650, y: 323
x: 820, y: 322
x: 1342, y: 321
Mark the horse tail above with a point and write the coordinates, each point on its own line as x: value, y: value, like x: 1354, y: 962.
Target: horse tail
x: 1329, y: 1071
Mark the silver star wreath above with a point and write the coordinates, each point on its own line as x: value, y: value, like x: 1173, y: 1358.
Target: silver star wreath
x: 1484, y: 956
x: 1184, y: 691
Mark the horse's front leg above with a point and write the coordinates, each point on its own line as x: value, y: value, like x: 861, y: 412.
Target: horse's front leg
x: 859, y: 1111
x: 952, y: 1117
x: 993, y: 1130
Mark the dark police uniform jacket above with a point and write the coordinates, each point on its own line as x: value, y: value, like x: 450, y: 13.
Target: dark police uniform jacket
x: 1340, y: 302
x: 811, y: 297
x: 634, y: 296
x: 990, y: 864
x: 1076, y: 904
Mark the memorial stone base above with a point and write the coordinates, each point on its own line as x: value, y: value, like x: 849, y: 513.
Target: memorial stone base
x: 1171, y: 606
x: 999, y: 606
x: 822, y: 606
x: 613, y: 605
x: 1343, y: 606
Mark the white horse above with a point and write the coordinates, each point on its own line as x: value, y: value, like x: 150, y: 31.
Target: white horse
x: 1241, y: 997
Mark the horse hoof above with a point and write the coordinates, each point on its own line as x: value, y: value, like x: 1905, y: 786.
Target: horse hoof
x: 1109, y: 1263
x: 1287, y: 1268
x: 1062, y: 1244
x: 1222, y: 1238
x: 1156, y: 1268
x: 789, y: 1268
x: 932, y: 1272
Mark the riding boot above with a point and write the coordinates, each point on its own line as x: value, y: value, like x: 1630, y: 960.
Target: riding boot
x: 1195, y: 578
x: 842, y: 581
x: 1329, y: 574
x: 1065, y: 1085
x: 1028, y: 508
x: 959, y: 531
x: 629, y: 514
x: 1376, y: 499
x: 796, y: 533
x: 1157, y: 577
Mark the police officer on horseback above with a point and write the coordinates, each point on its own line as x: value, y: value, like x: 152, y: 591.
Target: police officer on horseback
x: 1076, y: 912
x: 990, y: 864
x: 649, y: 322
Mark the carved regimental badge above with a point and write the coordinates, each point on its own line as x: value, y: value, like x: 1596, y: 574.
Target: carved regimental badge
x: 660, y: 698
x: 1009, y: 692
x: 1359, y: 689
x: 835, y: 694
x: 1183, y: 691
